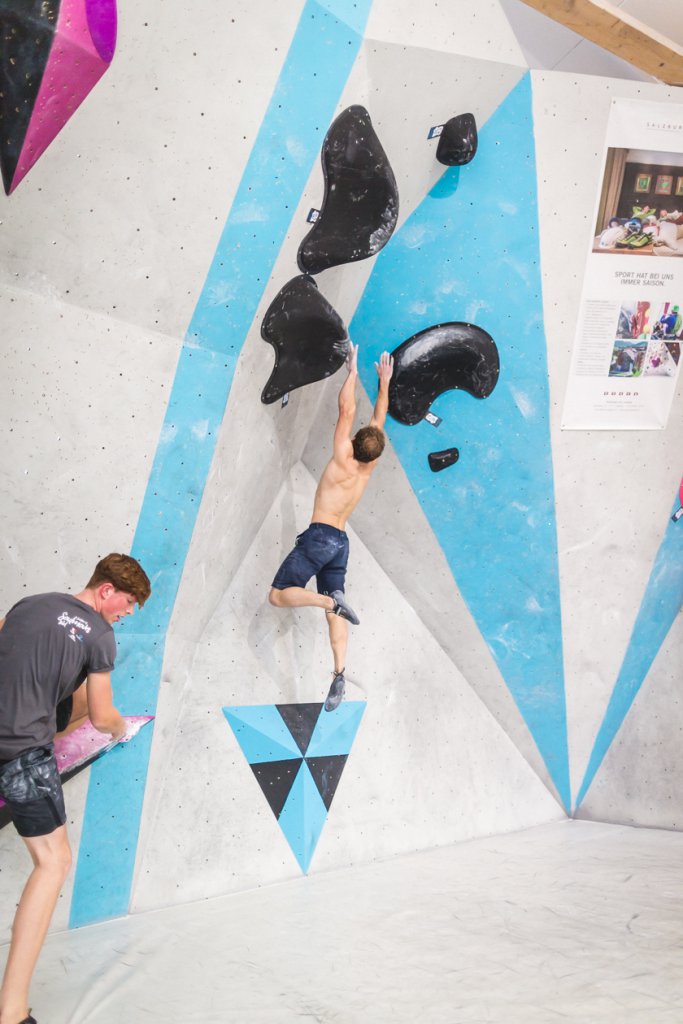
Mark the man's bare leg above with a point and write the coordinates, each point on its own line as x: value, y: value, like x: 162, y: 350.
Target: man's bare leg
x: 51, y: 856
x: 339, y: 638
x: 339, y: 635
x: 300, y: 597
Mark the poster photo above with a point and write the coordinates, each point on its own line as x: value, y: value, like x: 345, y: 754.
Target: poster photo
x: 638, y: 212
x: 627, y: 350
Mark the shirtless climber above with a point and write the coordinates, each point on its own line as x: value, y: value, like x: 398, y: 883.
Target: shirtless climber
x: 323, y: 549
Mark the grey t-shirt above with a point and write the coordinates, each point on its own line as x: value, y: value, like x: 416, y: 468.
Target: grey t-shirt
x: 48, y: 645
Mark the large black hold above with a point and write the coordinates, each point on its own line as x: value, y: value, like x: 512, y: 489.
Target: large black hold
x: 309, y: 338
x: 446, y: 356
x: 442, y: 460
x: 360, y: 205
x: 27, y: 31
x: 458, y: 141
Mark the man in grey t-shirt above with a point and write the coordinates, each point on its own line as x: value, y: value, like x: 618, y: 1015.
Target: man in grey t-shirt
x: 49, y: 645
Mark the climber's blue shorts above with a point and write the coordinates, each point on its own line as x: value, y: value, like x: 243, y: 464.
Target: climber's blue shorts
x: 321, y: 551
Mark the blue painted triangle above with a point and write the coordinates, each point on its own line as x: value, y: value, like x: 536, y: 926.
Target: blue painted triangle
x: 264, y: 737
x: 261, y: 733
x: 335, y: 731
x: 302, y: 817
x: 470, y: 252
x: 660, y: 605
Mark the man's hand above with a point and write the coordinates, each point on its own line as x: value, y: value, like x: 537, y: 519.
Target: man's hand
x: 119, y: 731
x: 352, y: 359
x: 126, y: 735
x: 385, y: 367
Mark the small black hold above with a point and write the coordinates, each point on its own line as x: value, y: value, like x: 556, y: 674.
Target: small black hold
x: 458, y: 141
x: 442, y: 460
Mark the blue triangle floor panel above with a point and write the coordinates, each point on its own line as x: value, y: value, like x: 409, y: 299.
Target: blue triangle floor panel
x: 469, y: 252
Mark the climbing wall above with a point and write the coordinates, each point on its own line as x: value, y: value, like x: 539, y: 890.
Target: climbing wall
x: 512, y: 610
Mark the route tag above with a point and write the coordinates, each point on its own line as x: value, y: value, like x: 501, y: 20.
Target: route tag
x: 433, y: 419
x: 435, y: 131
x: 313, y: 215
x: 285, y: 399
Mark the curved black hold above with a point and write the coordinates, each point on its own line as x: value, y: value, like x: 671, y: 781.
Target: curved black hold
x: 458, y: 141
x: 446, y: 356
x: 442, y: 460
x: 26, y: 33
x: 360, y: 206
x: 309, y: 338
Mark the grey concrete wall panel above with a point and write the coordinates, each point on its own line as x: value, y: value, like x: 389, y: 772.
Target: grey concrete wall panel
x: 152, y: 159
x: 639, y: 782
x: 603, y: 479
x: 83, y: 399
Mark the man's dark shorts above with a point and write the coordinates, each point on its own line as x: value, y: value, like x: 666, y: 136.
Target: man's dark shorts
x: 321, y: 551
x: 32, y: 789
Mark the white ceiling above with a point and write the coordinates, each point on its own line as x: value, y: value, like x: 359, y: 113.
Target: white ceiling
x: 550, y: 46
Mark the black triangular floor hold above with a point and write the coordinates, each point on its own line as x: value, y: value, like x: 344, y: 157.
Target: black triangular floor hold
x: 276, y: 779
x: 327, y: 772
x: 301, y: 720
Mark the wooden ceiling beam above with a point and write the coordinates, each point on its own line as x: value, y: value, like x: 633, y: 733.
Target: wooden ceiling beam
x: 624, y: 36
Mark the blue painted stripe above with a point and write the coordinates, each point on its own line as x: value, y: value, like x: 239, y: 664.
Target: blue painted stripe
x: 470, y: 252
x: 661, y: 604
x: 315, y: 71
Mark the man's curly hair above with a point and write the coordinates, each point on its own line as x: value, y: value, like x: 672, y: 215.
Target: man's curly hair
x: 368, y: 444
x: 124, y: 573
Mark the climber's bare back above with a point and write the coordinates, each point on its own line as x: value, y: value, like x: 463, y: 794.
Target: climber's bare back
x: 340, y: 489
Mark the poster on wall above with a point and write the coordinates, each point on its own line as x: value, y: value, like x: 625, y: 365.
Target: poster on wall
x: 627, y: 350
